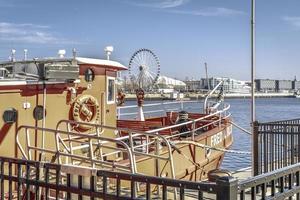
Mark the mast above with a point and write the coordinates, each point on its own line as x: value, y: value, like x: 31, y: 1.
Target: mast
x: 206, y: 74
x: 253, y: 63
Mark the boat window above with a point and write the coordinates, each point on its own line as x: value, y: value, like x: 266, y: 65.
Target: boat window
x: 110, y: 90
x: 10, y: 115
x: 89, y: 75
x: 38, y: 112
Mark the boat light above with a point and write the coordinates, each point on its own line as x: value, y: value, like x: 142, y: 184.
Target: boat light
x: 108, y: 50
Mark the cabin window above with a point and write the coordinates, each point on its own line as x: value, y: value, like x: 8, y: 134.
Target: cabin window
x: 89, y: 75
x: 10, y: 115
x: 110, y: 90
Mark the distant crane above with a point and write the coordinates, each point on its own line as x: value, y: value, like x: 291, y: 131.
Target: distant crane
x: 206, y: 73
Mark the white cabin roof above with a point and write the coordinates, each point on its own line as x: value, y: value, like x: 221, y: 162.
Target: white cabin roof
x: 170, y: 81
x: 82, y: 60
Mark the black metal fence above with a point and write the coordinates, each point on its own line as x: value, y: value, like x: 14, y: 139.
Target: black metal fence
x: 20, y: 179
x: 276, y: 145
x: 280, y: 184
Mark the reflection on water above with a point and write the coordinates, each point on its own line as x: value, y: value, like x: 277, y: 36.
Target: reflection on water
x: 267, y: 109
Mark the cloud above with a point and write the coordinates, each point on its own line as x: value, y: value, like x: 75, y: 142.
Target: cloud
x: 294, y: 21
x: 210, y: 12
x: 162, y: 4
x: 172, y: 6
x: 29, y: 33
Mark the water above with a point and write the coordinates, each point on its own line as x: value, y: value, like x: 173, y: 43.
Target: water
x: 267, y: 109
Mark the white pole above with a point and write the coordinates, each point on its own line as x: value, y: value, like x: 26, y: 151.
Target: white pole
x: 253, y: 62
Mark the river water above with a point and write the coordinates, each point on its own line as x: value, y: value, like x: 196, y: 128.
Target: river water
x: 267, y: 109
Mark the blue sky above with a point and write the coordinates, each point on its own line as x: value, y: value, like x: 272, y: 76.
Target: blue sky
x: 183, y: 33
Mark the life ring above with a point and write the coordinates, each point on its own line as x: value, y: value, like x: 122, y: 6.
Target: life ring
x: 86, y: 109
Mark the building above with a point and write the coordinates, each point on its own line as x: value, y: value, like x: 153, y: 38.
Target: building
x: 193, y: 85
x: 283, y: 85
x: 296, y: 85
x: 229, y: 85
x: 265, y: 85
x: 168, y: 85
x: 269, y: 85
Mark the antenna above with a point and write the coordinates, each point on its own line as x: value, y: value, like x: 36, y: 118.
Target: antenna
x: 61, y: 53
x: 13, y: 55
x: 108, y: 50
x: 74, y: 56
x: 74, y: 53
x: 25, y: 54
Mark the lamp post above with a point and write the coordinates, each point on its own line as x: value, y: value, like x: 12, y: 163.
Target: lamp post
x: 253, y: 63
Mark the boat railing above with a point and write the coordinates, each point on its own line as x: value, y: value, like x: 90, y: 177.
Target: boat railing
x: 62, y: 151
x: 74, y: 147
x: 149, y: 137
x: 208, y: 104
x: 69, y: 143
x: 162, y: 105
x: 140, y: 142
x: 212, y: 119
x: 153, y: 141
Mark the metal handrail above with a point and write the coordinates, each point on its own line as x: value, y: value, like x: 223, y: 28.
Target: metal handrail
x: 119, y: 108
x: 130, y: 137
x: 209, y: 95
x: 192, y: 121
x: 157, y: 104
x: 278, y: 184
x: 58, y: 153
x: 37, y: 180
x: 153, y: 138
x: 154, y: 132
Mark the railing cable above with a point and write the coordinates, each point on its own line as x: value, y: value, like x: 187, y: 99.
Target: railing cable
x: 241, y: 128
x: 212, y: 148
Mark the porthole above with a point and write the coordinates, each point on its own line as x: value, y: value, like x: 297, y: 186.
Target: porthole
x: 38, y: 112
x: 89, y: 75
x: 10, y: 116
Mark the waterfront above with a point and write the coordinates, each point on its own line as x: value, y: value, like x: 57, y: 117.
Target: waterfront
x: 268, y: 109
x: 199, y: 96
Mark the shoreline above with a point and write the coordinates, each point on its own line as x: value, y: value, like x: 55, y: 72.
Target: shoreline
x: 193, y: 96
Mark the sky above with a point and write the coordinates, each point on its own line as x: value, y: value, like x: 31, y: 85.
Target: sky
x: 184, y: 34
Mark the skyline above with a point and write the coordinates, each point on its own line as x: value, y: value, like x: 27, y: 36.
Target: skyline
x: 183, y: 33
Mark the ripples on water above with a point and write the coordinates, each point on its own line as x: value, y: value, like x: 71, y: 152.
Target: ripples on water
x: 267, y: 109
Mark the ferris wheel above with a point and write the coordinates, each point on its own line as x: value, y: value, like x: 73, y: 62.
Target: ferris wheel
x: 144, y: 69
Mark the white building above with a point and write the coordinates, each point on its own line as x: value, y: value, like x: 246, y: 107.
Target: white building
x: 168, y: 85
x: 230, y: 85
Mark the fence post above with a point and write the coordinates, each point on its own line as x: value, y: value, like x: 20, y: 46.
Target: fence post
x: 256, y: 164
x: 227, y: 188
